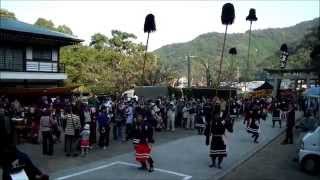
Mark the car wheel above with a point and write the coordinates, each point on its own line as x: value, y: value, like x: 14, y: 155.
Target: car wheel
x: 311, y: 164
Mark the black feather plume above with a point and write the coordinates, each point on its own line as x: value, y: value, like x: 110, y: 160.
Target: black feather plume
x: 252, y: 15
x: 228, y: 14
x: 233, y: 51
x: 284, y: 48
x: 315, y: 52
x: 149, y: 24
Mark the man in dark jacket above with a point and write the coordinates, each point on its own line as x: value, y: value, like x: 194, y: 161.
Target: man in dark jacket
x: 6, y: 128
x: 290, y: 124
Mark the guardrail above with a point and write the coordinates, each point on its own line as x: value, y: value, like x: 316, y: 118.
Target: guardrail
x: 33, y: 66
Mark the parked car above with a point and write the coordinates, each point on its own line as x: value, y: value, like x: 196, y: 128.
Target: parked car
x: 309, y: 152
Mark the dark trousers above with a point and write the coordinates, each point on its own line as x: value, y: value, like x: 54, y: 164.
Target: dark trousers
x: 184, y: 122
x: 104, y: 136
x: 128, y: 131
x: 274, y: 122
x: 289, y: 135
x: 179, y: 120
x: 93, y: 133
x: 47, y: 143
x: 70, y: 145
x: 255, y: 136
x: 220, y: 159
x: 117, y: 131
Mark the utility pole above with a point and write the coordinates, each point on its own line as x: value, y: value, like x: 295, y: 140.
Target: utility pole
x: 189, y: 71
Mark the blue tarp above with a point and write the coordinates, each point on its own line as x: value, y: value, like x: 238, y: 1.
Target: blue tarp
x: 313, y: 91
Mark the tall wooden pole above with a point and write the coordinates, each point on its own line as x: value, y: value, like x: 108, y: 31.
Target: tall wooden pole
x: 144, y: 61
x: 221, y: 59
x: 248, y: 61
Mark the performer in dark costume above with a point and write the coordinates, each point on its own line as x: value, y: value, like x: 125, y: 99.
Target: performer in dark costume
x: 217, y: 128
x: 142, y: 136
x: 253, y: 128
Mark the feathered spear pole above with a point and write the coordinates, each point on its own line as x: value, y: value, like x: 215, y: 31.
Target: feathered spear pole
x: 227, y: 18
x: 149, y: 26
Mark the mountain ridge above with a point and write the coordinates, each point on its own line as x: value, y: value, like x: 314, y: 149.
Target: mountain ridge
x: 265, y: 45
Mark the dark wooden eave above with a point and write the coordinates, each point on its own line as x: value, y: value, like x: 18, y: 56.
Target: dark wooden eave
x: 9, y: 36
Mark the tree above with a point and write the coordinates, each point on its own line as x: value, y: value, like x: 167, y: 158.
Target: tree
x: 122, y: 42
x: 205, y: 64
x: 227, y: 18
x: 149, y: 26
x: 98, y: 41
x: 64, y: 29
x: 48, y: 24
x: 251, y: 17
x: 7, y: 14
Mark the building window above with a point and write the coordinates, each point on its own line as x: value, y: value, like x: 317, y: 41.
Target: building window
x: 54, y: 55
x: 42, y: 54
x: 11, y: 59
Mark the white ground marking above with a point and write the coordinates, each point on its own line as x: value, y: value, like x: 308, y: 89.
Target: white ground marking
x: 185, y: 177
x: 87, y: 171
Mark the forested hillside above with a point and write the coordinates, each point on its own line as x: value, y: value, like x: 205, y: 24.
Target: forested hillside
x: 264, y: 53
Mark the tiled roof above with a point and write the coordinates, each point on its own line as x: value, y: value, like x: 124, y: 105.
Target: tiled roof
x: 14, y: 25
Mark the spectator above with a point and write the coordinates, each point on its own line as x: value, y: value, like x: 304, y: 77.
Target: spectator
x: 129, y: 121
x: 120, y: 119
x: 46, y: 125
x: 104, y: 128
x: 185, y: 113
x: 171, y: 115
x: 84, y: 142
x: 71, y: 132
x: 192, y: 115
x: 6, y: 128
x: 290, y: 125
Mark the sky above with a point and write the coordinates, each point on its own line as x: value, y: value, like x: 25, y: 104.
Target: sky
x: 176, y: 21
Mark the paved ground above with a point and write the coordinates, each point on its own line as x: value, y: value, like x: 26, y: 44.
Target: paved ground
x: 59, y: 161
x: 184, y: 158
x: 178, y: 155
x: 274, y: 162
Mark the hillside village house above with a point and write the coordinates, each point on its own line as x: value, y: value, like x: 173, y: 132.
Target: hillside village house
x: 29, y: 55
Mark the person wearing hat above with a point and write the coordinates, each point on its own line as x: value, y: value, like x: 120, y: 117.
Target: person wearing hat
x: 84, y: 141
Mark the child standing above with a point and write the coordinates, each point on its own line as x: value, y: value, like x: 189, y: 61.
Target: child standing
x: 84, y: 143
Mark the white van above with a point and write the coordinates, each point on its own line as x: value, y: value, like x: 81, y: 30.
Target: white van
x: 309, y: 153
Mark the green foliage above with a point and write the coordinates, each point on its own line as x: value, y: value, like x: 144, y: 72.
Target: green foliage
x: 7, y: 14
x: 98, y: 41
x: 64, y: 29
x: 48, y: 24
x: 112, y: 64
